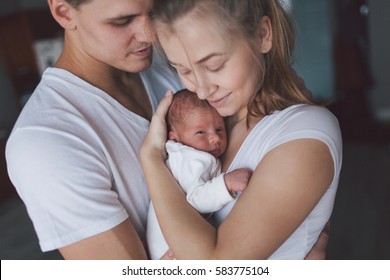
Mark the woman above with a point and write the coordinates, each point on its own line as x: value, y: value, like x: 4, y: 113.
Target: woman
x: 236, y: 55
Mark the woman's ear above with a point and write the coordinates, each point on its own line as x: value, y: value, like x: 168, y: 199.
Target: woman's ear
x: 62, y: 12
x: 265, y: 33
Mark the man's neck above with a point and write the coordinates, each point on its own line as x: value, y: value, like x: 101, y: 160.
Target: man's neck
x: 127, y: 88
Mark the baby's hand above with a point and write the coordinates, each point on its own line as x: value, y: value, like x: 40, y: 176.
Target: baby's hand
x: 237, y: 180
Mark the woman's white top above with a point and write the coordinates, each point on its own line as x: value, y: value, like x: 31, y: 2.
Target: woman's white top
x: 295, y: 122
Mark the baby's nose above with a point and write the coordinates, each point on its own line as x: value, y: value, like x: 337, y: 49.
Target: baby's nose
x: 214, y: 138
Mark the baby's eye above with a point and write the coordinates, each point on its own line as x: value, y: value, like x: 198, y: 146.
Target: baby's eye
x: 200, y: 132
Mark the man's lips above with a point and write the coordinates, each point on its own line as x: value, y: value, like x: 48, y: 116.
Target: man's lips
x: 144, y: 52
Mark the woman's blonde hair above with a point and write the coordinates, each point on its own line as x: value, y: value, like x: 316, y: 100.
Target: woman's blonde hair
x: 280, y: 86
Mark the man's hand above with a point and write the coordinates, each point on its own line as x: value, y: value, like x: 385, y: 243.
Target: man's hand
x: 318, y: 252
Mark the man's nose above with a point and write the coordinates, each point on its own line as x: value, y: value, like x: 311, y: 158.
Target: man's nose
x: 145, y: 32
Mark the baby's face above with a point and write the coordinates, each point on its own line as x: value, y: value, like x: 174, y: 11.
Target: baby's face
x: 203, y: 129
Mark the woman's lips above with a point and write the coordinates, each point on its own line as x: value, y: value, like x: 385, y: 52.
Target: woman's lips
x: 218, y: 102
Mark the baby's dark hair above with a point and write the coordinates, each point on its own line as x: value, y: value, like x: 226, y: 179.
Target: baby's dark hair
x: 183, y: 101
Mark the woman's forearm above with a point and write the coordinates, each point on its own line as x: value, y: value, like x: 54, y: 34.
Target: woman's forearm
x: 188, y: 235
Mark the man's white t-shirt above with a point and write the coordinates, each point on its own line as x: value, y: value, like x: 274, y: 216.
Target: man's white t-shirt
x: 73, y: 157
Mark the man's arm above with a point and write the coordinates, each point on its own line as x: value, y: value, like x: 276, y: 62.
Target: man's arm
x: 318, y: 252
x: 120, y: 242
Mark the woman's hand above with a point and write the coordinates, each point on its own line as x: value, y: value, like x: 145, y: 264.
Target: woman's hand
x: 154, y: 143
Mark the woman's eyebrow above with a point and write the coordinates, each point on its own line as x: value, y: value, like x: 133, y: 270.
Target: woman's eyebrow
x: 207, y: 57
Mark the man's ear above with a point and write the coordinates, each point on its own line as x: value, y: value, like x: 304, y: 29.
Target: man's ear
x: 62, y: 12
x: 265, y: 33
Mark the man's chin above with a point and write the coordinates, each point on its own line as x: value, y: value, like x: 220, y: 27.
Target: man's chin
x: 138, y: 66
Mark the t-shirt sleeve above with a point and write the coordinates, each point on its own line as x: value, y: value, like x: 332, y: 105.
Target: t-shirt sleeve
x: 65, y: 184
x: 313, y: 122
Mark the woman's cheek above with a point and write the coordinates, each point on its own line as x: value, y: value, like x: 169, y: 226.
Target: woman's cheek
x: 188, y: 84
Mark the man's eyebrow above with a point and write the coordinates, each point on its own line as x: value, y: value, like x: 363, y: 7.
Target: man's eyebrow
x: 121, y: 17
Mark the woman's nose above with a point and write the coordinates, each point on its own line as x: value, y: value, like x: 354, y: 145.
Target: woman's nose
x: 204, y: 88
x: 202, y: 92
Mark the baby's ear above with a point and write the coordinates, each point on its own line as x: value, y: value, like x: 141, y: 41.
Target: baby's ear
x: 172, y: 136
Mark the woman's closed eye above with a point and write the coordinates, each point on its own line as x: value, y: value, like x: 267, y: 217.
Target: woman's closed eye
x: 179, y: 69
x: 215, y: 68
x: 183, y: 72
